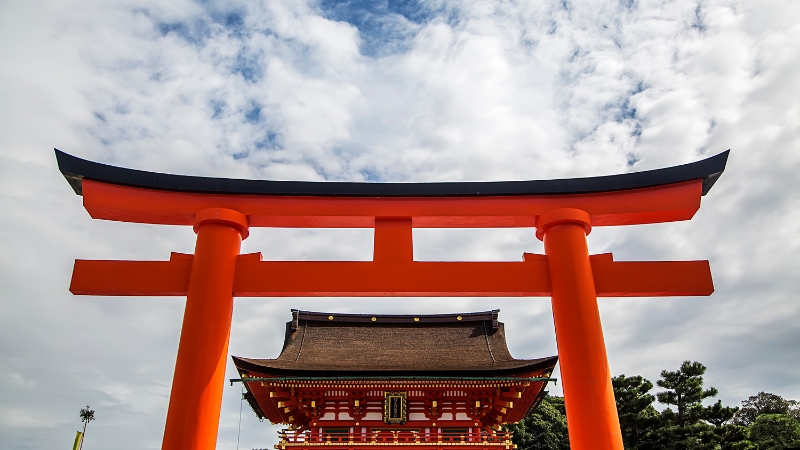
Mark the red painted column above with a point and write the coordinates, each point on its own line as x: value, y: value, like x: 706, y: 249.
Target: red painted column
x: 588, y: 394
x: 196, y: 398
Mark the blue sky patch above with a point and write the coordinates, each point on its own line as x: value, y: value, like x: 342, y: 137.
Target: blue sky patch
x: 385, y: 26
x: 216, y: 106
x: 193, y: 32
x: 253, y: 114
x: 249, y: 66
x: 199, y: 29
x: 270, y: 141
x: 371, y: 175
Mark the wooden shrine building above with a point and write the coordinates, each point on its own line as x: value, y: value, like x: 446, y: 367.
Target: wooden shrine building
x: 360, y: 381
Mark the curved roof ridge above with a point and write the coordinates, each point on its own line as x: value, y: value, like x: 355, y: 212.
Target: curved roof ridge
x: 76, y: 169
x: 337, y: 318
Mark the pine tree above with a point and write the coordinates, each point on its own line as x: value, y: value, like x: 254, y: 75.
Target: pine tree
x: 544, y: 429
x: 637, y: 416
x: 684, y: 389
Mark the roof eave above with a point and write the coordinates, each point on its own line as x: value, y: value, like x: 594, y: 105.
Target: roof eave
x: 538, y: 365
x: 75, y: 170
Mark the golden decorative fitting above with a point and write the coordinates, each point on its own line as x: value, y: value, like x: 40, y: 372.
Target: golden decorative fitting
x: 330, y: 317
x: 458, y: 318
x: 374, y: 319
x: 416, y: 319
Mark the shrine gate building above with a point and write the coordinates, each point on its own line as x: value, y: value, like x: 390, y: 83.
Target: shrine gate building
x: 362, y: 381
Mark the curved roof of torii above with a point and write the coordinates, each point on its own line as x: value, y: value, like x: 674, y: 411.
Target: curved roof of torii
x: 75, y: 170
x: 332, y: 344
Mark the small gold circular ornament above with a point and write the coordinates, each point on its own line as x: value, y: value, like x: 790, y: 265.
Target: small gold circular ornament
x: 374, y: 319
x: 458, y: 318
x: 331, y: 318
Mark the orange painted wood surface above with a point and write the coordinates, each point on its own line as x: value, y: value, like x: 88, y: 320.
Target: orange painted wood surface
x: 652, y: 278
x: 666, y: 203
x: 140, y: 278
x: 592, y: 418
x: 196, y: 395
x: 255, y: 278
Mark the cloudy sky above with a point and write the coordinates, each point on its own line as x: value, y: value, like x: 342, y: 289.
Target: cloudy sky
x: 399, y: 91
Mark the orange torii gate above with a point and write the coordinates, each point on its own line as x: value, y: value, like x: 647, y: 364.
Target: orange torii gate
x: 222, y: 211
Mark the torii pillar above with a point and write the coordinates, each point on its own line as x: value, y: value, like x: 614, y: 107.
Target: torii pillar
x: 579, y: 334
x: 221, y: 211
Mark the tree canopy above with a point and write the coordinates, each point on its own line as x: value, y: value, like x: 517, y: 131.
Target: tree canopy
x: 765, y: 421
x: 87, y: 414
x: 544, y: 429
x: 765, y: 403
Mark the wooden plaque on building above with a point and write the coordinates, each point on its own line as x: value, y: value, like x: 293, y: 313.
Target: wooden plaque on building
x: 394, y: 407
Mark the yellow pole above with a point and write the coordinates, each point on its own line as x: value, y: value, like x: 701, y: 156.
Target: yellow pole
x: 78, y: 440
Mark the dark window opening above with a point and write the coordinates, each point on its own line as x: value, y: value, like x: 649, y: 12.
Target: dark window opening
x: 336, y: 434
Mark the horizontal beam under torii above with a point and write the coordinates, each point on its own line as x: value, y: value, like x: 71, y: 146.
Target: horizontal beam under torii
x: 256, y: 278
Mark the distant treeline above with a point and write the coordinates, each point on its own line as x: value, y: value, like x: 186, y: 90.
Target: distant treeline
x: 764, y: 421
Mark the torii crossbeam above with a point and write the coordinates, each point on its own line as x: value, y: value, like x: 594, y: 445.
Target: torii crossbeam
x: 222, y: 211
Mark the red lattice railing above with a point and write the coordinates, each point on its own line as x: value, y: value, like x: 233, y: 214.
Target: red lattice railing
x: 400, y: 437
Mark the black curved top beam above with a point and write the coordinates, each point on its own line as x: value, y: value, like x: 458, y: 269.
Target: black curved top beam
x: 75, y: 170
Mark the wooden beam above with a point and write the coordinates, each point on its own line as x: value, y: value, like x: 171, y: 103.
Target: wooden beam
x: 667, y: 203
x: 255, y: 278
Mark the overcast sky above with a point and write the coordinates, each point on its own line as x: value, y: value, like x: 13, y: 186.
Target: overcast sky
x: 398, y: 91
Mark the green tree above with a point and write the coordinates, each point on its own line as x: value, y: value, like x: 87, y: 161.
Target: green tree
x: 691, y: 425
x: 684, y: 390
x: 544, y: 429
x: 719, y: 415
x: 775, y: 432
x: 733, y: 437
x: 727, y: 435
x: 638, y: 419
x: 765, y: 403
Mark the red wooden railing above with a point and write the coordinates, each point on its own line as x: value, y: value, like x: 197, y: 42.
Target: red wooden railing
x: 392, y: 437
